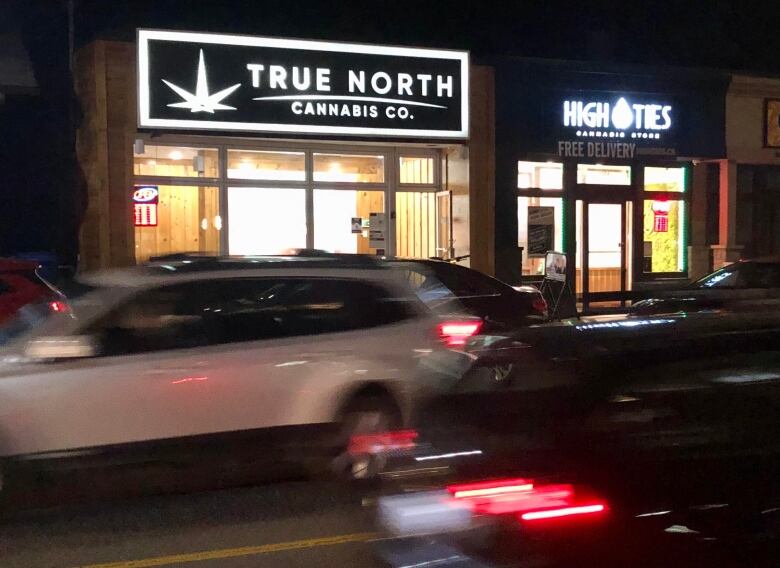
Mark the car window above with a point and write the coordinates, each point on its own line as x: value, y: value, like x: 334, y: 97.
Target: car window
x: 465, y: 282
x: 169, y: 317
x: 250, y: 309
x: 444, y: 282
x: 760, y: 275
x: 246, y: 309
x: 727, y: 277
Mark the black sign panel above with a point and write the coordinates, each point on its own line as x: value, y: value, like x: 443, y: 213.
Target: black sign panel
x: 224, y: 82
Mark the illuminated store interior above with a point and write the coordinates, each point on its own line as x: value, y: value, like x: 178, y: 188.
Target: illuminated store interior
x: 255, y: 200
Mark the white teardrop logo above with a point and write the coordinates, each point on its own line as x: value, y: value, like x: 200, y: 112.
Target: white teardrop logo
x: 622, y: 116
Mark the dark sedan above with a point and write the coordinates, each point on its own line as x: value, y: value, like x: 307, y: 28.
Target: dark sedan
x: 744, y: 285
x: 445, y: 286
x: 624, y: 442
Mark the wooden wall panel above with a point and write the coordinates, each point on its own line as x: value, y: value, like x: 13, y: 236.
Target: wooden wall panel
x: 482, y: 165
x: 104, y: 76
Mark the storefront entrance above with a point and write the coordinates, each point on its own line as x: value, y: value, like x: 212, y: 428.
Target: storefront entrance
x: 623, y: 226
x: 257, y: 199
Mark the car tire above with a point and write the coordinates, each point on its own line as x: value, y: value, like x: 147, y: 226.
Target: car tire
x: 364, y: 415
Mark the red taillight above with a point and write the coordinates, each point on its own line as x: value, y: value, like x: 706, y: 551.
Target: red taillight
x: 59, y: 307
x: 524, y: 499
x: 539, y: 304
x: 382, y: 442
x: 457, y: 332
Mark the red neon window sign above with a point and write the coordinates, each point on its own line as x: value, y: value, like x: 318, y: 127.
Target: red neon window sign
x: 661, y: 216
x: 145, y: 201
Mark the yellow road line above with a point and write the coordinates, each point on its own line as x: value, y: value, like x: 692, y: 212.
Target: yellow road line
x: 235, y: 552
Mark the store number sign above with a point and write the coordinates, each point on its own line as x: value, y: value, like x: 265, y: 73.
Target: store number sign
x: 225, y: 82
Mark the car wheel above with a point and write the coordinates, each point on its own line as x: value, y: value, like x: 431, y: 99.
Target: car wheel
x: 501, y: 373
x: 364, y: 416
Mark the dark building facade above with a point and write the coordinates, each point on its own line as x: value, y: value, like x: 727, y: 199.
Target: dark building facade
x: 600, y: 164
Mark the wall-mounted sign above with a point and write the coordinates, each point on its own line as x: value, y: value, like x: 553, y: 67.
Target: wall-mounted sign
x: 145, y: 201
x: 541, y: 230
x: 225, y: 82
x: 772, y: 123
x: 623, y: 119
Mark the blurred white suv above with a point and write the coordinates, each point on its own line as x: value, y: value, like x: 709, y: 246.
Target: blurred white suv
x: 193, y: 349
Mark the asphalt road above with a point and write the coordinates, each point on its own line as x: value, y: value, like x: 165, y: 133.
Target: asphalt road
x: 93, y: 520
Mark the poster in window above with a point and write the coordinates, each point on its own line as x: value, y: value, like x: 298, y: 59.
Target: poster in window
x: 376, y: 230
x: 772, y: 124
x: 541, y: 231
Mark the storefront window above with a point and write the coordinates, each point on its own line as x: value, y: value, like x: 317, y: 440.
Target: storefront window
x: 266, y: 220
x: 416, y: 225
x: 665, y: 179
x: 664, y: 236
x: 540, y: 229
x: 176, y: 161
x: 276, y: 166
x: 349, y: 168
x: 343, y: 220
x: 539, y: 175
x: 416, y: 169
x: 597, y: 174
x: 187, y: 219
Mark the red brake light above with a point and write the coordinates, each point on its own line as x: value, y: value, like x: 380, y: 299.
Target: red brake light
x: 524, y: 499
x: 539, y: 304
x: 59, y: 307
x: 382, y: 442
x: 457, y: 332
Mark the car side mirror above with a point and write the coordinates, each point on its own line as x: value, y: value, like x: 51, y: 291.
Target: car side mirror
x: 62, y: 347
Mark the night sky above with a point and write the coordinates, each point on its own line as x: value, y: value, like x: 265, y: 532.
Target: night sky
x: 43, y: 195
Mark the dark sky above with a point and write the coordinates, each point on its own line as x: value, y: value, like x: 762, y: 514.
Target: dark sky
x: 722, y: 34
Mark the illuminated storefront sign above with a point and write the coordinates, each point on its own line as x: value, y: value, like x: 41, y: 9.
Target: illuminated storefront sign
x: 225, y: 82
x: 619, y: 120
x: 145, y: 201
x: 619, y: 127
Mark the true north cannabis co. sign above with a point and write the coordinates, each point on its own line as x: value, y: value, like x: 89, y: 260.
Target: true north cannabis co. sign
x: 227, y: 82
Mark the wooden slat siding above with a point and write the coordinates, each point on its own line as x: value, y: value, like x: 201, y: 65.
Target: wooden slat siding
x: 432, y: 225
x: 210, y: 211
x: 424, y: 227
x: 121, y: 125
x: 482, y: 163
x: 604, y: 280
x: 400, y: 224
x: 91, y: 150
x: 104, y: 77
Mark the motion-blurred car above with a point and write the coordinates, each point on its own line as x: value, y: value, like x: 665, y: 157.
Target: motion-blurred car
x: 20, y: 285
x: 744, y: 285
x: 448, y: 288
x: 638, y: 442
x: 175, y: 353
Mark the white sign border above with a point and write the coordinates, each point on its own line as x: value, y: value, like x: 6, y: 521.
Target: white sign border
x: 145, y: 121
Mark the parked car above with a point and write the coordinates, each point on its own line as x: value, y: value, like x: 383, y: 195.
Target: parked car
x: 448, y: 288
x: 178, y: 353
x: 744, y: 285
x: 20, y: 284
x: 639, y: 440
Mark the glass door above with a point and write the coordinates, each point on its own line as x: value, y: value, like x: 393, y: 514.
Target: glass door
x: 602, y: 230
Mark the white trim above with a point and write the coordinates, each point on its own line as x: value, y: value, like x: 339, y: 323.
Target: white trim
x: 145, y: 121
x: 343, y: 98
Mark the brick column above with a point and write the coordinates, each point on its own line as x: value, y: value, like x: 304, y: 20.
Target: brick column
x: 727, y: 250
